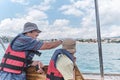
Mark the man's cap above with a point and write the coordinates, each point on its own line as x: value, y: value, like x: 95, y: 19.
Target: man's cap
x: 69, y: 44
x: 30, y: 27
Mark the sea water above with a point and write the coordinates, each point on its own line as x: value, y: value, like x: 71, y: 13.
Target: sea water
x: 88, y: 57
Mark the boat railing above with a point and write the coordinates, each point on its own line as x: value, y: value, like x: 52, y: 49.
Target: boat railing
x: 1, y: 42
x: 99, y: 39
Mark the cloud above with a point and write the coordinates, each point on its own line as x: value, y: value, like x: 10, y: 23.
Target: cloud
x: 61, y: 27
x: 111, y: 31
x: 44, y: 5
x: 23, y: 2
x: 109, y: 12
x: 11, y: 27
x: 77, y: 8
x: 36, y: 15
x: 70, y: 10
x: 109, y: 17
x: 61, y: 22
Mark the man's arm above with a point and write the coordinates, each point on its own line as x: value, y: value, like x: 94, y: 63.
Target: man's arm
x: 50, y: 45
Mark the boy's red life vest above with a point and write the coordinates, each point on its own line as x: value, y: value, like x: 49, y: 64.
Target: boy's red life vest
x: 13, y: 61
x: 53, y: 73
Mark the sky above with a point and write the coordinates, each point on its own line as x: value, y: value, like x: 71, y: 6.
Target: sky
x: 60, y: 18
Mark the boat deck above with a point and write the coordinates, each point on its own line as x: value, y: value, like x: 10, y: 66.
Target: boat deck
x: 94, y: 76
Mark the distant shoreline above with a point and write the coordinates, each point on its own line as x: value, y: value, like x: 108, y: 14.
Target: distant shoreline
x: 90, y: 40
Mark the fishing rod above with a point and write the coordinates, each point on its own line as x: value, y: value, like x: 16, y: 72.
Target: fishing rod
x: 1, y: 42
x: 99, y: 39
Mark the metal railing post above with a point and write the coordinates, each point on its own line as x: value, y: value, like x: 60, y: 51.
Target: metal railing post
x: 99, y: 39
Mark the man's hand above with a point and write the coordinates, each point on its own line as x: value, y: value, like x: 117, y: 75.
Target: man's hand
x: 39, y: 64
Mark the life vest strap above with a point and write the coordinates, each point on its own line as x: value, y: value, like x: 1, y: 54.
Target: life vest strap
x: 10, y: 66
x: 52, y: 77
x: 8, y: 56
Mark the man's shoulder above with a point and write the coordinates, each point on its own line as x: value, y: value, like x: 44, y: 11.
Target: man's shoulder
x: 24, y: 38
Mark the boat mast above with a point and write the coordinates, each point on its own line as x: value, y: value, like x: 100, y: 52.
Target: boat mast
x: 99, y: 39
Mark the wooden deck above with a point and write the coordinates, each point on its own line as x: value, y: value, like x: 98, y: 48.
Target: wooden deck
x: 33, y: 75
x: 95, y: 76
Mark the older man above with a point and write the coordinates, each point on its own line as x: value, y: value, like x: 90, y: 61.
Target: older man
x: 21, y: 51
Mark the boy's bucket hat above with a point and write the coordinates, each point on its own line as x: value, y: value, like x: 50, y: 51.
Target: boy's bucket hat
x: 69, y: 44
